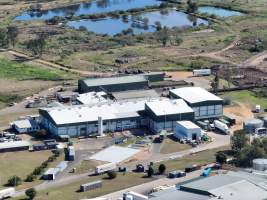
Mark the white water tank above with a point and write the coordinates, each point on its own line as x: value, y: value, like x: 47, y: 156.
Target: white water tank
x: 251, y: 125
x: 260, y: 164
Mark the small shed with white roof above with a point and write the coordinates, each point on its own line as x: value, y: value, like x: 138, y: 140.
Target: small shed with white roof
x: 187, y: 130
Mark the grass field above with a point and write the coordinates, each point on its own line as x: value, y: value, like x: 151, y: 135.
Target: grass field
x: 200, y: 158
x: 20, y: 163
x: 21, y: 71
x: 247, y: 97
x: 71, y: 191
x: 170, y: 146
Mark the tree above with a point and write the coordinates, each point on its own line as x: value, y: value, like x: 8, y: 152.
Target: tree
x: 158, y: 25
x: 192, y: 7
x: 37, y: 45
x: 239, y: 140
x: 30, y: 193
x: 3, y: 37
x: 163, y: 36
x: 162, y: 169
x: 247, y: 154
x: 221, y: 157
x: 150, y: 171
x: 12, y: 34
x: 264, y: 144
x: 30, y: 178
x: 112, y: 174
x: 14, y: 181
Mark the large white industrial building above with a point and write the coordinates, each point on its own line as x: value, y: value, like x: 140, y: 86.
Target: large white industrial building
x: 155, y: 114
x: 205, y: 104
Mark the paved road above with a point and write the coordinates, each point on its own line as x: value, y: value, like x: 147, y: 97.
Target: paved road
x: 147, y: 187
x: 219, y: 141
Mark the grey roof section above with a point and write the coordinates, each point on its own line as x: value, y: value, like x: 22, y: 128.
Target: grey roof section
x: 195, y: 95
x: 135, y: 94
x: 175, y: 194
x: 240, y: 190
x: 212, y: 182
x: 114, y: 80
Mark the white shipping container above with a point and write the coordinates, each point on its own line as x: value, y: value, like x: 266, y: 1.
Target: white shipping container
x: 221, y: 126
x: 6, y: 193
x: 104, y: 168
x: 201, y: 72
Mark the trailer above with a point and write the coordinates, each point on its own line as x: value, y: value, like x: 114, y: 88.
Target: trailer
x: 201, y: 72
x: 230, y: 119
x: 104, y: 168
x: 7, y: 193
x: 221, y: 127
x: 91, y: 186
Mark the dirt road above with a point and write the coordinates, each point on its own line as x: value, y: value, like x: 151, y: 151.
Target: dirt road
x: 56, y: 66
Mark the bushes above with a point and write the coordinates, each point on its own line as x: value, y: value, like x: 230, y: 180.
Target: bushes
x: 112, y: 174
x: 31, y: 193
x: 14, y: 181
x: 39, y: 170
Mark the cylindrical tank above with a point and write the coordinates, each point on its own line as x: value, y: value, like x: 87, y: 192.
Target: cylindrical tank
x: 251, y: 124
x: 265, y: 121
x: 260, y: 164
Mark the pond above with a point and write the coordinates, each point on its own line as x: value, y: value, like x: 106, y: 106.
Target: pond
x: 93, y: 7
x: 139, y: 23
x: 221, y: 12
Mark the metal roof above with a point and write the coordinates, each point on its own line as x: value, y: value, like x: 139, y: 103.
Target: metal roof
x: 240, y: 190
x: 187, y: 124
x: 85, y: 113
x: 212, y: 182
x: 168, y: 107
x: 114, y: 80
x: 92, y: 98
x: 114, y: 154
x: 51, y: 171
x: 174, y: 194
x: 15, y: 144
x: 135, y: 94
x: 195, y: 94
x: 24, y: 123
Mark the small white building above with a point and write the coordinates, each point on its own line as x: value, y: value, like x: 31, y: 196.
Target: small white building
x: 24, y: 126
x: 187, y: 130
x: 51, y: 173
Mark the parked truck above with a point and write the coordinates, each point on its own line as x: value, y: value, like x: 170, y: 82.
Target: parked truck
x: 221, y: 126
x: 7, y: 193
x: 104, y: 168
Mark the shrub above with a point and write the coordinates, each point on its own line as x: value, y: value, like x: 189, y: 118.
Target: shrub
x: 31, y: 193
x: 162, y: 169
x: 14, y: 181
x: 112, y: 174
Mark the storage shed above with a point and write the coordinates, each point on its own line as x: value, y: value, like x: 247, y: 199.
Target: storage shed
x: 113, y: 84
x: 187, y: 130
x: 51, y: 173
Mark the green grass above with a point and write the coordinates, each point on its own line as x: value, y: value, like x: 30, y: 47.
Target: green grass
x: 247, y: 97
x: 22, y: 71
x: 70, y: 191
x: 20, y: 163
x: 201, y: 158
x: 6, y: 98
x: 170, y: 146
